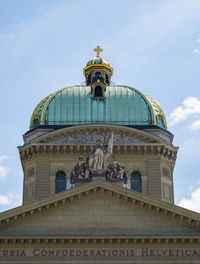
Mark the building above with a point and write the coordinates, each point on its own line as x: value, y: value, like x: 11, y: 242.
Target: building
x: 98, y: 165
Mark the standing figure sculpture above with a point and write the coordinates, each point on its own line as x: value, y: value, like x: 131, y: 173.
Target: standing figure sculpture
x: 72, y: 179
x: 100, y: 155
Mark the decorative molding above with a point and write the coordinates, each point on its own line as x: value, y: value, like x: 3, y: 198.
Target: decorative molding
x: 30, y: 172
x: 98, y: 129
x: 101, y: 239
x: 166, y: 172
x: 101, y: 188
x: 34, y: 150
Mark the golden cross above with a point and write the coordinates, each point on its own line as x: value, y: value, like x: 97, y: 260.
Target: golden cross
x: 98, y: 50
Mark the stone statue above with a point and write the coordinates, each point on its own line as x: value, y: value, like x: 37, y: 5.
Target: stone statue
x: 100, y: 154
x: 88, y: 172
x: 80, y: 168
x: 125, y: 178
x: 116, y: 172
x: 114, y: 168
x: 72, y: 179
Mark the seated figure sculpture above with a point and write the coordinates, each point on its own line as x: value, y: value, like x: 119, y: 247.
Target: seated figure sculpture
x: 80, y: 168
x: 114, y: 168
x: 117, y: 172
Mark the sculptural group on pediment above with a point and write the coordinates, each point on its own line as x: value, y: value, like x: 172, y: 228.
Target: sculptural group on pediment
x: 95, y: 164
x: 114, y: 169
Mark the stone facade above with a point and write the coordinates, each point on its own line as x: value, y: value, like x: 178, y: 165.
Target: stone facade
x: 43, y: 156
x: 99, y: 222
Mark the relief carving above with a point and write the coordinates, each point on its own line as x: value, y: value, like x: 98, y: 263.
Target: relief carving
x: 30, y: 172
x: 91, y: 138
x: 165, y: 172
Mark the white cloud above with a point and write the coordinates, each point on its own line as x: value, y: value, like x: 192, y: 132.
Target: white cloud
x: 11, y: 199
x: 15, y: 198
x: 189, y: 150
x: 198, y: 40
x: 2, y: 158
x: 196, y: 50
x: 3, y: 170
x: 190, y: 106
x: 195, y: 125
x: 4, y: 200
x: 193, y: 203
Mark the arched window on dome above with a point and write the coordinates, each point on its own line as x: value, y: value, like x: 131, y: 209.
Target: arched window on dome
x: 107, y: 79
x: 60, y: 182
x: 160, y: 121
x: 98, y: 77
x: 98, y: 92
x: 36, y: 122
x: 89, y: 79
x: 136, y: 181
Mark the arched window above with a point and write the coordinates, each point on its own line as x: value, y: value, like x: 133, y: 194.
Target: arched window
x: 36, y: 122
x: 89, y: 79
x: 60, y: 184
x: 136, y: 182
x: 98, y: 77
x: 98, y: 91
x: 160, y: 121
x: 107, y: 79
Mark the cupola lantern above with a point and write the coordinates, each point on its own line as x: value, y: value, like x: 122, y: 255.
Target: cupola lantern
x: 98, y: 74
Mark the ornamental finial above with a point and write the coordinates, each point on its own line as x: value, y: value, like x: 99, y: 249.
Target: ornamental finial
x: 98, y: 50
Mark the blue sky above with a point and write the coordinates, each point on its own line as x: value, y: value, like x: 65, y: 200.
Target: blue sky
x: 152, y: 45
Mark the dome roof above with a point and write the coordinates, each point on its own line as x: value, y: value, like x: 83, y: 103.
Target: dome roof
x: 74, y: 105
x: 98, y: 61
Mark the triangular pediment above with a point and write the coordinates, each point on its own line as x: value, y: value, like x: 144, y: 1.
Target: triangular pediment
x: 91, y: 133
x: 99, y: 207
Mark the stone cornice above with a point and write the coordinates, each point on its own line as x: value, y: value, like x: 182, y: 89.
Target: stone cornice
x: 33, y: 150
x: 100, y: 239
x: 99, y: 187
x: 102, y: 128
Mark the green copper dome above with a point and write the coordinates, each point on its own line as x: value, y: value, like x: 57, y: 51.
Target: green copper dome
x: 120, y: 105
